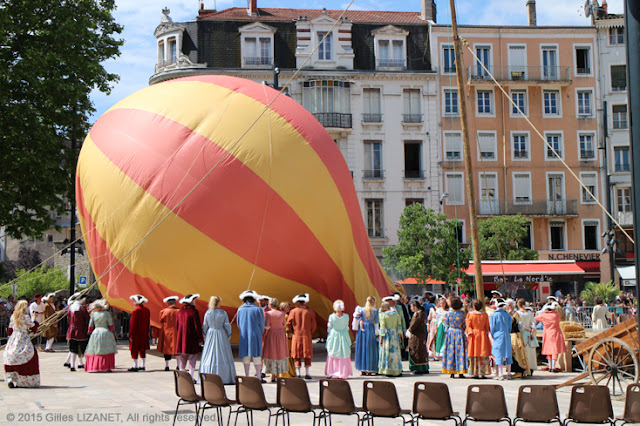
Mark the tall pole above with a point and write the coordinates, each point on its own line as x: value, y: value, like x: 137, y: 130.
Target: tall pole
x: 72, y: 237
x: 607, y: 185
x: 475, y: 241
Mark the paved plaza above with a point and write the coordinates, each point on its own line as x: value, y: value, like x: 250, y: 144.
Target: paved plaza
x: 148, y: 397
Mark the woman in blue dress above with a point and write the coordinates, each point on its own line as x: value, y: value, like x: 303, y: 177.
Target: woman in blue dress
x: 216, y: 353
x: 366, y: 341
x: 454, y: 359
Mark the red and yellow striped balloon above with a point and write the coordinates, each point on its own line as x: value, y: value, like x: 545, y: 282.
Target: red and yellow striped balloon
x: 201, y: 185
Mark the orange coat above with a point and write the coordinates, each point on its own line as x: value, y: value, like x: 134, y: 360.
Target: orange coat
x: 168, y: 331
x: 302, y: 322
x: 477, y: 331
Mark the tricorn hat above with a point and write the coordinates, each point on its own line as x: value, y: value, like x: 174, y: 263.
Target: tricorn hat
x: 249, y: 293
x: 138, y: 298
x: 167, y: 299
x: 189, y: 298
x: 302, y: 298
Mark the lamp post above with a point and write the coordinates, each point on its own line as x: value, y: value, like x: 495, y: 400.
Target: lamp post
x: 611, y: 247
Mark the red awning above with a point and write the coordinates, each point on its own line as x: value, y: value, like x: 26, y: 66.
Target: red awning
x: 414, y: 281
x: 530, y: 267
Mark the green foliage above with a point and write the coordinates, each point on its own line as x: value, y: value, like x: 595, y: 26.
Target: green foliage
x: 51, y: 56
x: 40, y: 280
x: 427, y: 247
x: 507, y: 233
x: 608, y: 291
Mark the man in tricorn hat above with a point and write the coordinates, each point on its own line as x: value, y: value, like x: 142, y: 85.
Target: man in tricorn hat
x: 139, y: 332
x: 168, y: 330
x: 302, y: 322
x: 250, y: 318
x: 189, y: 338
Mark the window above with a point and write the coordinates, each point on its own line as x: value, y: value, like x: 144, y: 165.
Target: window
x: 391, y: 53
x: 451, y: 102
x: 519, y: 97
x: 161, y: 53
x: 549, y: 63
x: 453, y: 146
x: 173, y: 52
x: 591, y: 234
x: 484, y: 101
x: 453, y: 185
x: 556, y: 230
x: 520, y: 146
x: 526, y: 240
x: 484, y: 55
x: 371, y: 101
x: 327, y: 96
x: 551, y: 106
x: 412, y: 160
x: 621, y: 155
x: 448, y: 59
x: 324, y: 48
x: 583, y: 60
x: 488, y: 183
x: 618, y: 78
x: 374, y: 217
x: 412, y: 110
x: 487, y: 144
x: 257, y: 51
x: 554, y: 142
x: 460, y: 231
x: 517, y: 62
x: 584, y: 102
x: 623, y: 196
x: 522, y: 188
x: 587, y: 148
x: 412, y: 201
x: 590, y: 180
x: 616, y: 35
x: 620, y: 117
x: 373, y: 160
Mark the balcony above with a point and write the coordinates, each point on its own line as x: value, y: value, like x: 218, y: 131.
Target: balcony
x: 413, y: 174
x: 625, y: 218
x: 523, y: 75
x: 587, y: 155
x: 392, y: 63
x: 521, y: 154
x: 620, y: 122
x: 412, y: 118
x: 373, y: 174
x: 253, y: 61
x: 371, y: 118
x: 536, y: 207
x: 625, y: 167
x: 334, y: 119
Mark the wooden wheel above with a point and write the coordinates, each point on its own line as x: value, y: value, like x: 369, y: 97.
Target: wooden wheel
x: 613, y: 363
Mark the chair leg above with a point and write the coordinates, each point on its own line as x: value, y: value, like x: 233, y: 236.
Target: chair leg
x: 175, y: 415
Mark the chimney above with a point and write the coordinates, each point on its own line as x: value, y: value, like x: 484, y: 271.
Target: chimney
x: 253, y: 8
x: 428, y: 10
x: 531, y: 12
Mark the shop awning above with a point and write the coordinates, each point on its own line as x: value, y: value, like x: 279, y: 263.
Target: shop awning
x: 627, y: 272
x: 528, y: 268
x: 415, y: 281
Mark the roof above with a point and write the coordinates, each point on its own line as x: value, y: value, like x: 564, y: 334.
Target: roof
x: 278, y: 14
x: 528, y: 267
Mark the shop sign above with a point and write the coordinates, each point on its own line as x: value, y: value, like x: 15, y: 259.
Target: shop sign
x: 524, y: 279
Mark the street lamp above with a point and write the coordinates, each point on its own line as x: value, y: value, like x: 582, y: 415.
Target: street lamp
x: 611, y: 247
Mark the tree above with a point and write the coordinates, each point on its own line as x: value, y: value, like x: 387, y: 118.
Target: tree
x: 51, y: 55
x: 28, y: 258
x: 506, y: 233
x: 608, y: 292
x: 427, y: 247
x: 40, y: 280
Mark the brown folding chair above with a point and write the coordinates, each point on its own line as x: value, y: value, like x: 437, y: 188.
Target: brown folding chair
x: 590, y: 404
x: 537, y: 403
x: 380, y: 399
x: 336, y: 398
x: 293, y: 397
x: 631, y: 405
x: 186, y: 391
x: 431, y: 401
x: 486, y: 403
x: 215, y: 396
x: 250, y: 396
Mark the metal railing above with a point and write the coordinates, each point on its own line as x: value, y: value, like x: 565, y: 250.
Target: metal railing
x: 535, y: 207
x: 371, y: 117
x: 587, y: 155
x: 334, y: 119
x: 584, y: 315
x: 412, y: 118
x: 413, y: 174
x: 391, y: 63
x: 519, y: 73
x: 258, y: 60
x: 623, y: 167
x: 373, y: 174
x: 620, y: 121
x: 625, y: 218
x: 520, y: 153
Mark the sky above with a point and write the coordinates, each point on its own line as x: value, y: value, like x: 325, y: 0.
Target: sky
x: 140, y: 18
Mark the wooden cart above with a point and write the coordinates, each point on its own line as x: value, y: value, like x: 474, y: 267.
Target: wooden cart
x: 611, y: 357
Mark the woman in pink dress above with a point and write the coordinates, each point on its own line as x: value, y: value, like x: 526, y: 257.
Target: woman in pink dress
x: 275, y: 350
x: 552, y: 338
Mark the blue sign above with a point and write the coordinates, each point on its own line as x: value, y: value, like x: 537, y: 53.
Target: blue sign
x: 82, y: 280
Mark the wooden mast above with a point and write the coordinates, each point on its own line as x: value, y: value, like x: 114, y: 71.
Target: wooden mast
x: 468, y: 167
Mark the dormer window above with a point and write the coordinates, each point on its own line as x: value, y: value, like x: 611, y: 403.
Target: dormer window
x: 173, y: 50
x: 390, y: 47
x: 257, y: 45
x: 324, y: 48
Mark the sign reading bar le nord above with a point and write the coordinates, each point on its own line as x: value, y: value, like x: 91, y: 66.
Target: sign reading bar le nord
x: 524, y: 279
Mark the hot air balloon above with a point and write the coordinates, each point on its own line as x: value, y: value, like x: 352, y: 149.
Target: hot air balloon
x: 215, y: 185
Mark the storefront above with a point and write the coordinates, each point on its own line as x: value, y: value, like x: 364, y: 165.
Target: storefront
x: 627, y: 278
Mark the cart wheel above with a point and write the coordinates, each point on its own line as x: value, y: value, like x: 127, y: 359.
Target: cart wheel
x: 613, y: 363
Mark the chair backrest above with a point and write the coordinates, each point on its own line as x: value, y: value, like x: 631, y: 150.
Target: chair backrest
x: 590, y: 404
x: 486, y: 402
x: 293, y: 394
x: 380, y: 398
x: 213, y: 389
x: 336, y: 396
x: 184, y: 386
x: 432, y: 400
x: 537, y: 403
x: 632, y: 404
x: 249, y: 393
x: 622, y: 318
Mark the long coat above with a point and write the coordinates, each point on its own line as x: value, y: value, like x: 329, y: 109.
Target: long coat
x: 417, y: 346
x: 189, y: 329
x: 552, y: 337
x: 250, y: 318
x: 139, y: 329
x: 168, y: 331
x: 302, y: 322
x: 501, y: 333
x: 478, y: 329
x: 52, y: 331
x: 78, y: 324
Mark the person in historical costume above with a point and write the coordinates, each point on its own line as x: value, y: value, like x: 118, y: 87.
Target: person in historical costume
x: 101, y: 349
x: 389, y: 360
x: 417, y: 345
x: 167, y: 334
x: 189, y: 336
x: 250, y: 319
x: 395, y: 305
x: 302, y: 322
x: 139, y: 332
x: 600, y: 315
x: 520, y: 365
x: 264, y: 302
x: 500, y: 323
x: 526, y: 325
x: 216, y: 352
x: 441, y: 332
x: 478, y: 341
x: 20, y: 358
x: 52, y: 329
x: 454, y: 357
x: 552, y: 338
x: 77, y: 333
x: 366, y: 357
x: 291, y: 372
x: 338, y: 364
x: 36, y: 310
x: 275, y: 346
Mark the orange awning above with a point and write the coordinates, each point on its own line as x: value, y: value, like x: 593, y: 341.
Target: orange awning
x: 415, y: 281
x: 528, y: 268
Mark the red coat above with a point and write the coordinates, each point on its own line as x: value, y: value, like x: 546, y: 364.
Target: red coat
x: 78, y: 325
x: 189, y: 330
x: 139, y: 329
x: 168, y: 332
x: 302, y: 322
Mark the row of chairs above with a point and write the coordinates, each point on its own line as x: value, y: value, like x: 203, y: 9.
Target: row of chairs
x: 431, y: 401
